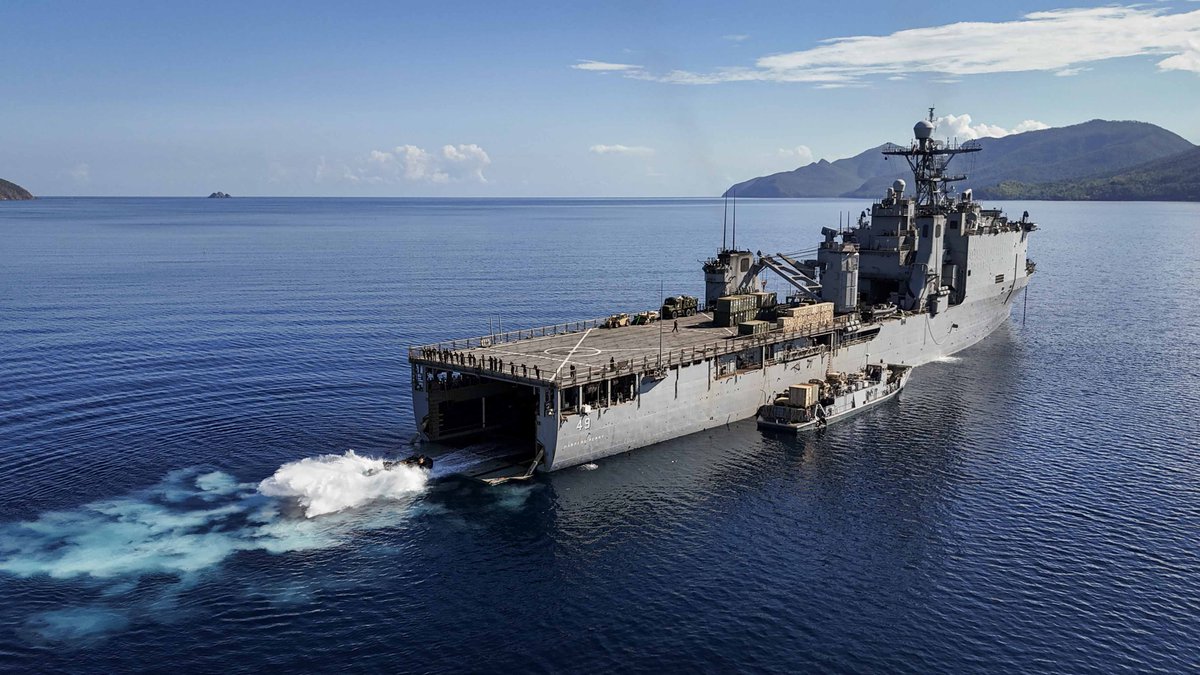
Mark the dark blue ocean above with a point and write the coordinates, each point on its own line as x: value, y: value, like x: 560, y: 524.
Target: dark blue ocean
x: 1031, y: 505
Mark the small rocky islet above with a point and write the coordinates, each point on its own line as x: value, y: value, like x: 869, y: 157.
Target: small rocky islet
x: 12, y: 192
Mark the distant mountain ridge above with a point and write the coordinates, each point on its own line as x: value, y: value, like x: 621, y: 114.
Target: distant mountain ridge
x: 12, y: 191
x: 1174, y: 178
x: 1091, y: 149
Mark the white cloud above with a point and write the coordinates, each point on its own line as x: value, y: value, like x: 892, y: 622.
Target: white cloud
x: 455, y: 163
x: 278, y: 173
x: 738, y: 37
x: 1189, y: 60
x: 81, y: 173
x: 604, y: 67
x: 786, y: 159
x: 630, y: 150
x: 1029, y: 125
x: 801, y: 154
x: 963, y: 128
x: 1060, y: 40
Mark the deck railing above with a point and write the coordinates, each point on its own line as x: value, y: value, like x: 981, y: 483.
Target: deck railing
x: 494, y: 339
x: 454, y: 353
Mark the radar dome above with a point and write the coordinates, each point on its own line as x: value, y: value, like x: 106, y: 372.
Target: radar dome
x: 898, y: 186
x: 923, y: 130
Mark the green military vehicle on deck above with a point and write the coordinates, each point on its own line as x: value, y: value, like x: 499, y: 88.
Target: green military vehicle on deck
x: 679, y: 305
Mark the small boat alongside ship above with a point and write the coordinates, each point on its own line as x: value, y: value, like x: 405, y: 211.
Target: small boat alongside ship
x: 816, y: 403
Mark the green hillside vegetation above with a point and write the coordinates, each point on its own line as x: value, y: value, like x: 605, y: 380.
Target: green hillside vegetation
x: 1175, y: 178
x: 1087, y: 149
x: 1094, y: 148
x: 12, y: 191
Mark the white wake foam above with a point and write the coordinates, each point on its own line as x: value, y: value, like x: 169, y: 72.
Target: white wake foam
x: 188, y: 524
x: 193, y: 520
x: 332, y: 483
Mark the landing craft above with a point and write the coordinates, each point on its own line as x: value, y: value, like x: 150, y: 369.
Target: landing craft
x: 813, y: 405
x: 922, y: 276
x: 419, y: 461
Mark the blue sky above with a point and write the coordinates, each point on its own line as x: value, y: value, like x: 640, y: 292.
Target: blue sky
x: 549, y: 99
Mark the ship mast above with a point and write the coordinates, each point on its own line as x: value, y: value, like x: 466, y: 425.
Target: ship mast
x: 928, y: 159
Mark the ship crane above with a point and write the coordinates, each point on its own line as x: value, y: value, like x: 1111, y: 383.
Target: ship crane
x: 802, y: 277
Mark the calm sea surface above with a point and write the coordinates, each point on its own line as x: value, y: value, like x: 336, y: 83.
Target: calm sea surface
x: 1031, y: 505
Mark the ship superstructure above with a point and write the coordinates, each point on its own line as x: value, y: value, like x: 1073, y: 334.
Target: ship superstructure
x: 919, y: 276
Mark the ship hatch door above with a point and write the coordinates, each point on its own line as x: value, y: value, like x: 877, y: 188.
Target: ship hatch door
x: 483, y: 426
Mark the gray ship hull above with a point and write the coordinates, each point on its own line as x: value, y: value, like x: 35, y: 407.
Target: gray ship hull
x: 690, y: 399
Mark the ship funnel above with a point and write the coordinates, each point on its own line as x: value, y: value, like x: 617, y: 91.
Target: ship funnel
x: 923, y: 130
x: 898, y: 186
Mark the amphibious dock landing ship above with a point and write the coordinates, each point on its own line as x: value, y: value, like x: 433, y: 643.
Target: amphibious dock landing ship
x: 920, y: 276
